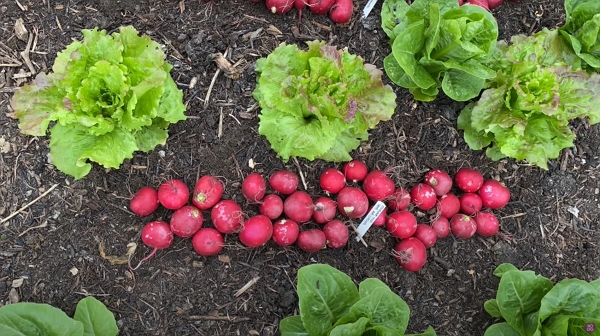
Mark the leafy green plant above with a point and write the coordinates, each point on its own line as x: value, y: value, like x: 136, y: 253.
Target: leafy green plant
x: 91, y: 318
x: 110, y: 95
x: 319, y: 103
x: 525, y: 111
x: 439, y: 44
x: 330, y: 304
x: 582, y: 32
x: 532, y: 306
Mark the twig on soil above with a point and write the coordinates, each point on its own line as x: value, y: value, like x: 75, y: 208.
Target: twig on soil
x: 212, y: 83
x: 300, y: 173
x: 358, y: 234
x: 43, y: 225
x: 220, y: 130
x: 247, y: 286
x: 219, y: 318
x: 29, y: 204
x: 25, y: 55
x: 515, y: 215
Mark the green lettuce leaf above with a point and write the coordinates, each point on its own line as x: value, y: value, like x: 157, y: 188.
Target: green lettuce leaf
x: 582, y: 32
x: 110, y: 95
x: 28, y: 318
x: 97, y: 320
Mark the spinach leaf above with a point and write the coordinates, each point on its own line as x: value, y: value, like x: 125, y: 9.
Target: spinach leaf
x: 491, y: 307
x: 569, y: 297
x: 97, y: 320
x: 27, y: 318
x: 292, y: 326
x: 428, y: 332
x: 501, y: 329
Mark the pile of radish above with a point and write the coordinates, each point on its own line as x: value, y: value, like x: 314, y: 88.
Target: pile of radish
x: 486, y: 4
x: 340, y: 11
x: 289, y: 216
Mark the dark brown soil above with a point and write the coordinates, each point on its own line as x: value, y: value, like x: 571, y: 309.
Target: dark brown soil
x: 180, y: 293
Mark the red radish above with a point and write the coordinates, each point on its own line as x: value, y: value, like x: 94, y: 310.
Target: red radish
x: 487, y: 223
x: 207, y: 242
x: 173, y: 194
x: 463, y: 226
x: 341, y: 11
x: 320, y: 7
x: 460, y: 2
x: 426, y: 234
x: 355, y: 171
x: 400, y: 200
x: 300, y: 5
x: 207, y: 192
x: 298, y: 207
x: 312, y: 240
x: 470, y: 203
x: 378, y: 186
x: 439, y: 180
x: 336, y: 233
x: 441, y: 226
x: 352, y: 202
x: 271, y: 206
x: 401, y: 224
x: 494, y: 195
x: 256, y: 231
x: 325, y: 210
x: 380, y: 220
x: 157, y: 235
x: 186, y: 221
x: 279, y: 6
x: 226, y: 216
x: 285, y: 232
x: 144, y: 202
x: 468, y: 180
x: 423, y: 196
x: 481, y: 3
x: 332, y: 181
x: 254, y: 187
x: 284, y: 182
x: 410, y: 254
x: 448, y: 205
x: 493, y: 4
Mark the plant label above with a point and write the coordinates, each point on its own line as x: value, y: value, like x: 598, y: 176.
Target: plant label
x: 367, y: 222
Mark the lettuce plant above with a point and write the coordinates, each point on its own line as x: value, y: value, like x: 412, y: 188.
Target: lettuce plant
x: 319, y: 103
x: 582, y: 32
x: 439, y: 44
x: 110, y: 95
x: 531, y: 305
x: 330, y: 304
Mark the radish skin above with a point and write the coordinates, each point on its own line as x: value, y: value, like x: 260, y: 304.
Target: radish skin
x: 470, y: 203
x: 423, y: 196
x: 487, y: 224
x: 226, y: 216
x: 439, y: 180
x: 332, y: 181
x: 279, y: 6
x: 320, y: 7
x: 298, y: 207
x: 355, y: 171
x: 325, y: 210
x: 256, y: 231
x: 284, y: 182
x: 494, y: 195
x: 352, y: 202
x: 312, y: 240
x: 401, y: 224
x: 378, y: 186
x: 341, y: 11
x: 468, y: 180
x: 448, y: 205
x: 400, y: 200
x: 411, y: 254
x: 207, y: 192
x: 173, y: 194
x: 285, y: 232
x: 380, y: 220
x: 441, y: 226
x: 463, y: 226
x: 207, y: 242
x: 144, y: 202
x: 254, y: 187
x: 426, y: 234
x: 336, y: 233
x: 156, y: 234
x: 186, y: 221
x: 271, y: 206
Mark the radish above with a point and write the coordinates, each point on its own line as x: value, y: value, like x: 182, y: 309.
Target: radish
x: 279, y: 6
x: 312, y: 240
x: 423, y: 196
x: 470, y: 203
x: 332, y: 181
x: 481, y: 3
x: 468, y: 180
x: 400, y: 200
x: 355, y: 171
x: 207, y: 192
x: 378, y: 186
x: 441, y: 226
x: 426, y: 234
x: 401, y: 224
x: 256, y: 231
x: 439, y: 180
x: 448, y: 205
x: 494, y: 195
x: 341, y: 11
x: 300, y: 5
x: 285, y: 232
x: 157, y: 235
x: 463, y: 226
x: 493, y: 4
x: 186, y: 221
x: 380, y: 220
x: 207, y: 242
x: 173, y: 194
x: 284, y: 182
x: 144, y: 202
x: 324, y: 211
x: 298, y: 207
x: 254, y: 187
x: 487, y: 223
x: 460, y: 2
x: 336, y: 233
x: 271, y: 206
x: 226, y: 216
x: 410, y: 254
x: 320, y: 7
x: 352, y: 202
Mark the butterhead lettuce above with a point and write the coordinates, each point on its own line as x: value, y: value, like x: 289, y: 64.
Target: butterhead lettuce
x: 110, y: 95
x: 319, y: 103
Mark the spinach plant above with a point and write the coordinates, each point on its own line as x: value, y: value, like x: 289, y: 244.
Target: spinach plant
x: 330, y: 304
x: 582, y: 32
x: 531, y: 305
x: 91, y: 318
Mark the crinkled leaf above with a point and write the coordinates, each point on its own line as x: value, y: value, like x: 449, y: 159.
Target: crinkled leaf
x: 97, y: 320
x: 569, y: 297
x: 34, y: 319
x: 392, y: 13
x: 292, y: 326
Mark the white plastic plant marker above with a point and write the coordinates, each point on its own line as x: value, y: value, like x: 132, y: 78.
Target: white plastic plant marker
x: 367, y: 222
x: 368, y: 8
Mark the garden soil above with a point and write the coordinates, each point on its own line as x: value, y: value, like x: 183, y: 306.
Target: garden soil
x: 60, y: 245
